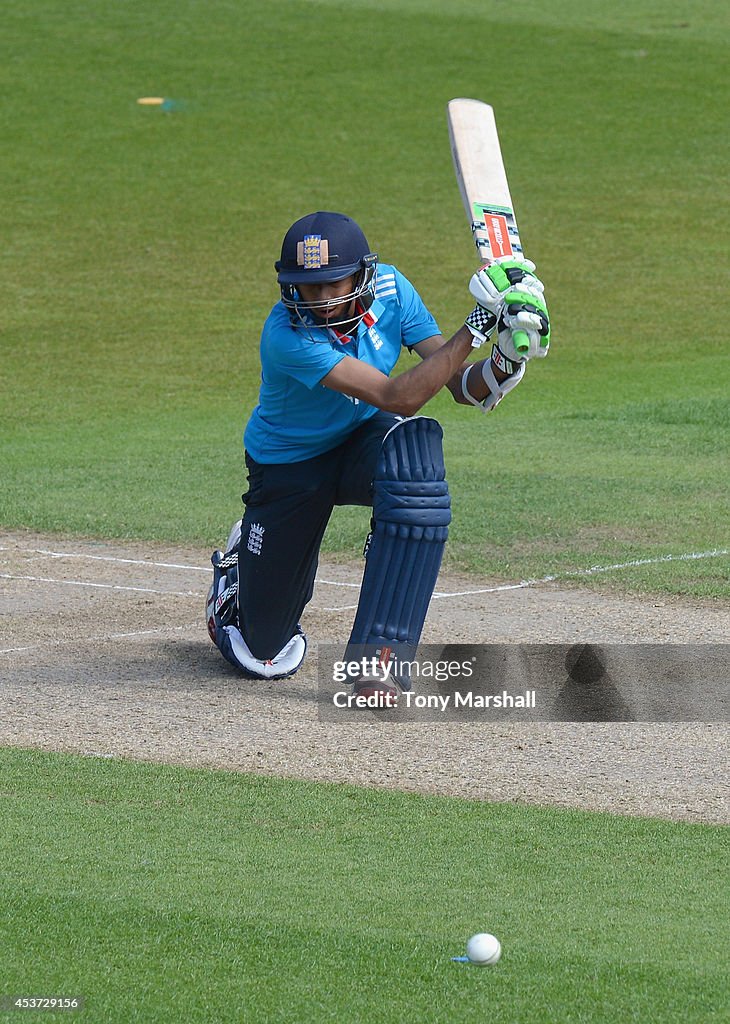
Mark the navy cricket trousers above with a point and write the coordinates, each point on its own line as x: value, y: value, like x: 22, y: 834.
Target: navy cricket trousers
x: 288, y: 507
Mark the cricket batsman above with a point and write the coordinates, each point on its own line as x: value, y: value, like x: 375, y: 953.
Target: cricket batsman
x: 332, y: 427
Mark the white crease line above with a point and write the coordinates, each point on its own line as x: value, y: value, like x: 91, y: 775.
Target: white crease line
x: 522, y: 585
x: 101, y: 639
x: 113, y: 558
x: 494, y: 590
x: 100, y: 586
x: 144, y: 561
x: 456, y: 593
x: 718, y: 552
x: 594, y: 570
x: 460, y: 593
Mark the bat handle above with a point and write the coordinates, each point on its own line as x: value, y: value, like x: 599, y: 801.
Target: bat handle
x: 521, y: 341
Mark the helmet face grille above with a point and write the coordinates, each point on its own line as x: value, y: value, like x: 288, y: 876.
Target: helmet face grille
x: 359, y: 299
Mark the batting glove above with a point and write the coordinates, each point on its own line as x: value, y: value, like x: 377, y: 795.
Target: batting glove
x: 491, y: 284
x: 523, y: 329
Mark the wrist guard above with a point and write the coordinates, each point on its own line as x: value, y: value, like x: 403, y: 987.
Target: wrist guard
x: 497, y: 391
x: 481, y: 323
x: 504, y: 364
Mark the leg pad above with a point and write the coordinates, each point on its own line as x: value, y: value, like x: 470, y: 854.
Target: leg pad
x: 411, y: 510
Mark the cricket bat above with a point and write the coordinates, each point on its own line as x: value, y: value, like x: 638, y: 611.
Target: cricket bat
x: 483, y: 185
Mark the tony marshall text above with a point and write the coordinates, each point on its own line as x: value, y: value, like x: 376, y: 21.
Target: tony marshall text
x: 441, y: 701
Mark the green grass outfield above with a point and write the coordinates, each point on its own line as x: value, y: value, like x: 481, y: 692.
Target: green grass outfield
x: 166, y: 894
x: 136, y: 266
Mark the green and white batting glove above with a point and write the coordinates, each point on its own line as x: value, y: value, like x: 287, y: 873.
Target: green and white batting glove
x: 489, y: 286
x: 493, y: 280
x: 523, y: 328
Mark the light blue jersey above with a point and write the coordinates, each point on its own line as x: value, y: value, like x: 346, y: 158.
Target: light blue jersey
x: 297, y: 417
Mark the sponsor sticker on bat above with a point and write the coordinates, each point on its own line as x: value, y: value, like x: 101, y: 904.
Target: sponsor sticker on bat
x: 498, y: 232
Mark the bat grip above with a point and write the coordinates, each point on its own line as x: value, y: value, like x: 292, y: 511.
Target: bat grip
x: 521, y: 341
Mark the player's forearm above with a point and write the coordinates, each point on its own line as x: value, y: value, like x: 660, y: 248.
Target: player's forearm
x: 408, y: 392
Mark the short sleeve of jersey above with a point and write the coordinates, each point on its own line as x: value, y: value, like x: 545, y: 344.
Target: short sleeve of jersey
x: 417, y: 323
x: 293, y: 354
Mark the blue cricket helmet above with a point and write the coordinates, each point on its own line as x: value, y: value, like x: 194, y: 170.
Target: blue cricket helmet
x: 323, y: 247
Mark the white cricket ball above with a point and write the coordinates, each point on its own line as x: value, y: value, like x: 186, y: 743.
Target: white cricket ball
x: 483, y: 949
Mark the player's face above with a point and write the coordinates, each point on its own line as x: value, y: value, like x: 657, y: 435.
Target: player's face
x: 325, y: 297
